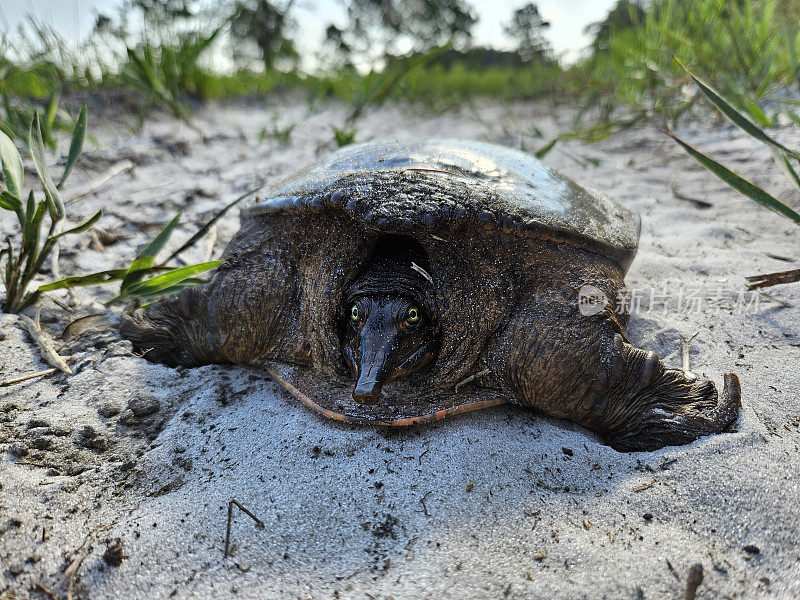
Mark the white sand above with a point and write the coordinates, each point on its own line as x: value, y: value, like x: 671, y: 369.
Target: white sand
x: 465, y: 508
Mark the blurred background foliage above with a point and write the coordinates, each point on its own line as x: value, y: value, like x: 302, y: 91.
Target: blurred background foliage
x: 177, y: 52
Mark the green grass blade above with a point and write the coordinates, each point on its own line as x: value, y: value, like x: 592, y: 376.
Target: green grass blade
x: 791, y: 170
x: 137, y: 269
x: 170, y: 278
x: 344, y: 137
x: 146, y: 74
x: 50, y: 113
x: 143, y: 263
x: 38, y: 216
x: 202, y: 231
x: 76, y: 145
x: 544, y: 150
x: 735, y: 116
x: 82, y: 280
x: 36, y: 147
x: 9, y: 201
x: 756, y: 112
x: 173, y: 289
x: 7, y: 130
x: 13, y: 172
x: 155, y: 246
x: 33, y: 221
x: 738, y: 183
x: 86, y: 225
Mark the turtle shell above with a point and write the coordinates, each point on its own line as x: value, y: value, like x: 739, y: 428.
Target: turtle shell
x: 492, y: 221
x: 380, y: 183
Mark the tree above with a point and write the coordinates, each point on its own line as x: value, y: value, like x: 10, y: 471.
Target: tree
x: 267, y: 26
x: 625, y: 15
x: 336, y: 41
x: 377, y: 28
x: 527, y: 29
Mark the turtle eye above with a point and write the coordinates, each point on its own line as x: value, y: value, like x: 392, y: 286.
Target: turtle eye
x: 354, y: 313
x: 412, y: 316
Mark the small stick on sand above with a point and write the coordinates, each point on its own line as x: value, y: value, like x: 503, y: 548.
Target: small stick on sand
x: 422, y: 501
x: 768, y: 279
x: 212, y: 240
x: 693, y: 580
x: 48, y: 352
x: 259, y: 524
x: 17, y: 380
x: 97, y: 243
x: 113, y: 171
x: 81, y: 553
x: 686, y: 344
x: 672, y: 570
x: 39, y: 586
x: 696, y: 201
x: 59, y: 303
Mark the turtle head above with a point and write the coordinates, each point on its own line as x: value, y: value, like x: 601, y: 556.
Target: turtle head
x: 390, y: 337
x: 389, y: 329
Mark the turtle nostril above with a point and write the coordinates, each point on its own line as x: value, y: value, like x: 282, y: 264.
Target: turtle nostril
x: 365, y: 398
x: 368, y: 393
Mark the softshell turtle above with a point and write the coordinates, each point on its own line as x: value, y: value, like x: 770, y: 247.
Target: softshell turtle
x: 400, y: 282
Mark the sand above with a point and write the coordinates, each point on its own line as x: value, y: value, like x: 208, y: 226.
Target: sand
x: 116, y: 480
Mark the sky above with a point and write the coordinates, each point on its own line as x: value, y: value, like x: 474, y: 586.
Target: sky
x: 74, y: 19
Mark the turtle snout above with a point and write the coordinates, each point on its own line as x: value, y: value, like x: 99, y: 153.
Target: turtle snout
x: 367, y: 392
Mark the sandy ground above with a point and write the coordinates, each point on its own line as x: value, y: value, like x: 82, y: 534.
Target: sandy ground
x: 135, y: 460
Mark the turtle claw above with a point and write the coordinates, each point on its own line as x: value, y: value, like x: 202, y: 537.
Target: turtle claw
x: 678, y: 409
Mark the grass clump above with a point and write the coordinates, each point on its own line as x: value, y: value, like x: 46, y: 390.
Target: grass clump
x: 25, y: 260
x: 134, y: 281
x: 171, y: 52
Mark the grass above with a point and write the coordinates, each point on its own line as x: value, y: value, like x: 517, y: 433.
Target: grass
x: 24, y: 261
x: 748, y: 49
x: 134, y: 281
x: 169, y: 74
x: 741, y: 46
x: 142, y: 279
x: 789, y: 159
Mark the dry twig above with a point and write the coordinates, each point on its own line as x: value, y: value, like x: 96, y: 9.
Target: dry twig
x: 686, y: 344
x: 113, y: 171
x: 80, y: 555
x: 259, y: 524
x: 16, y: 380
x: 49, y: 353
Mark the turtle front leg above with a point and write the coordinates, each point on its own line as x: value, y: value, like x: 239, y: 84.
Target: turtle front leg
x: 647, y: 405
x: 240, y: 316
x: 173, y: 331
x: 581, y: 368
